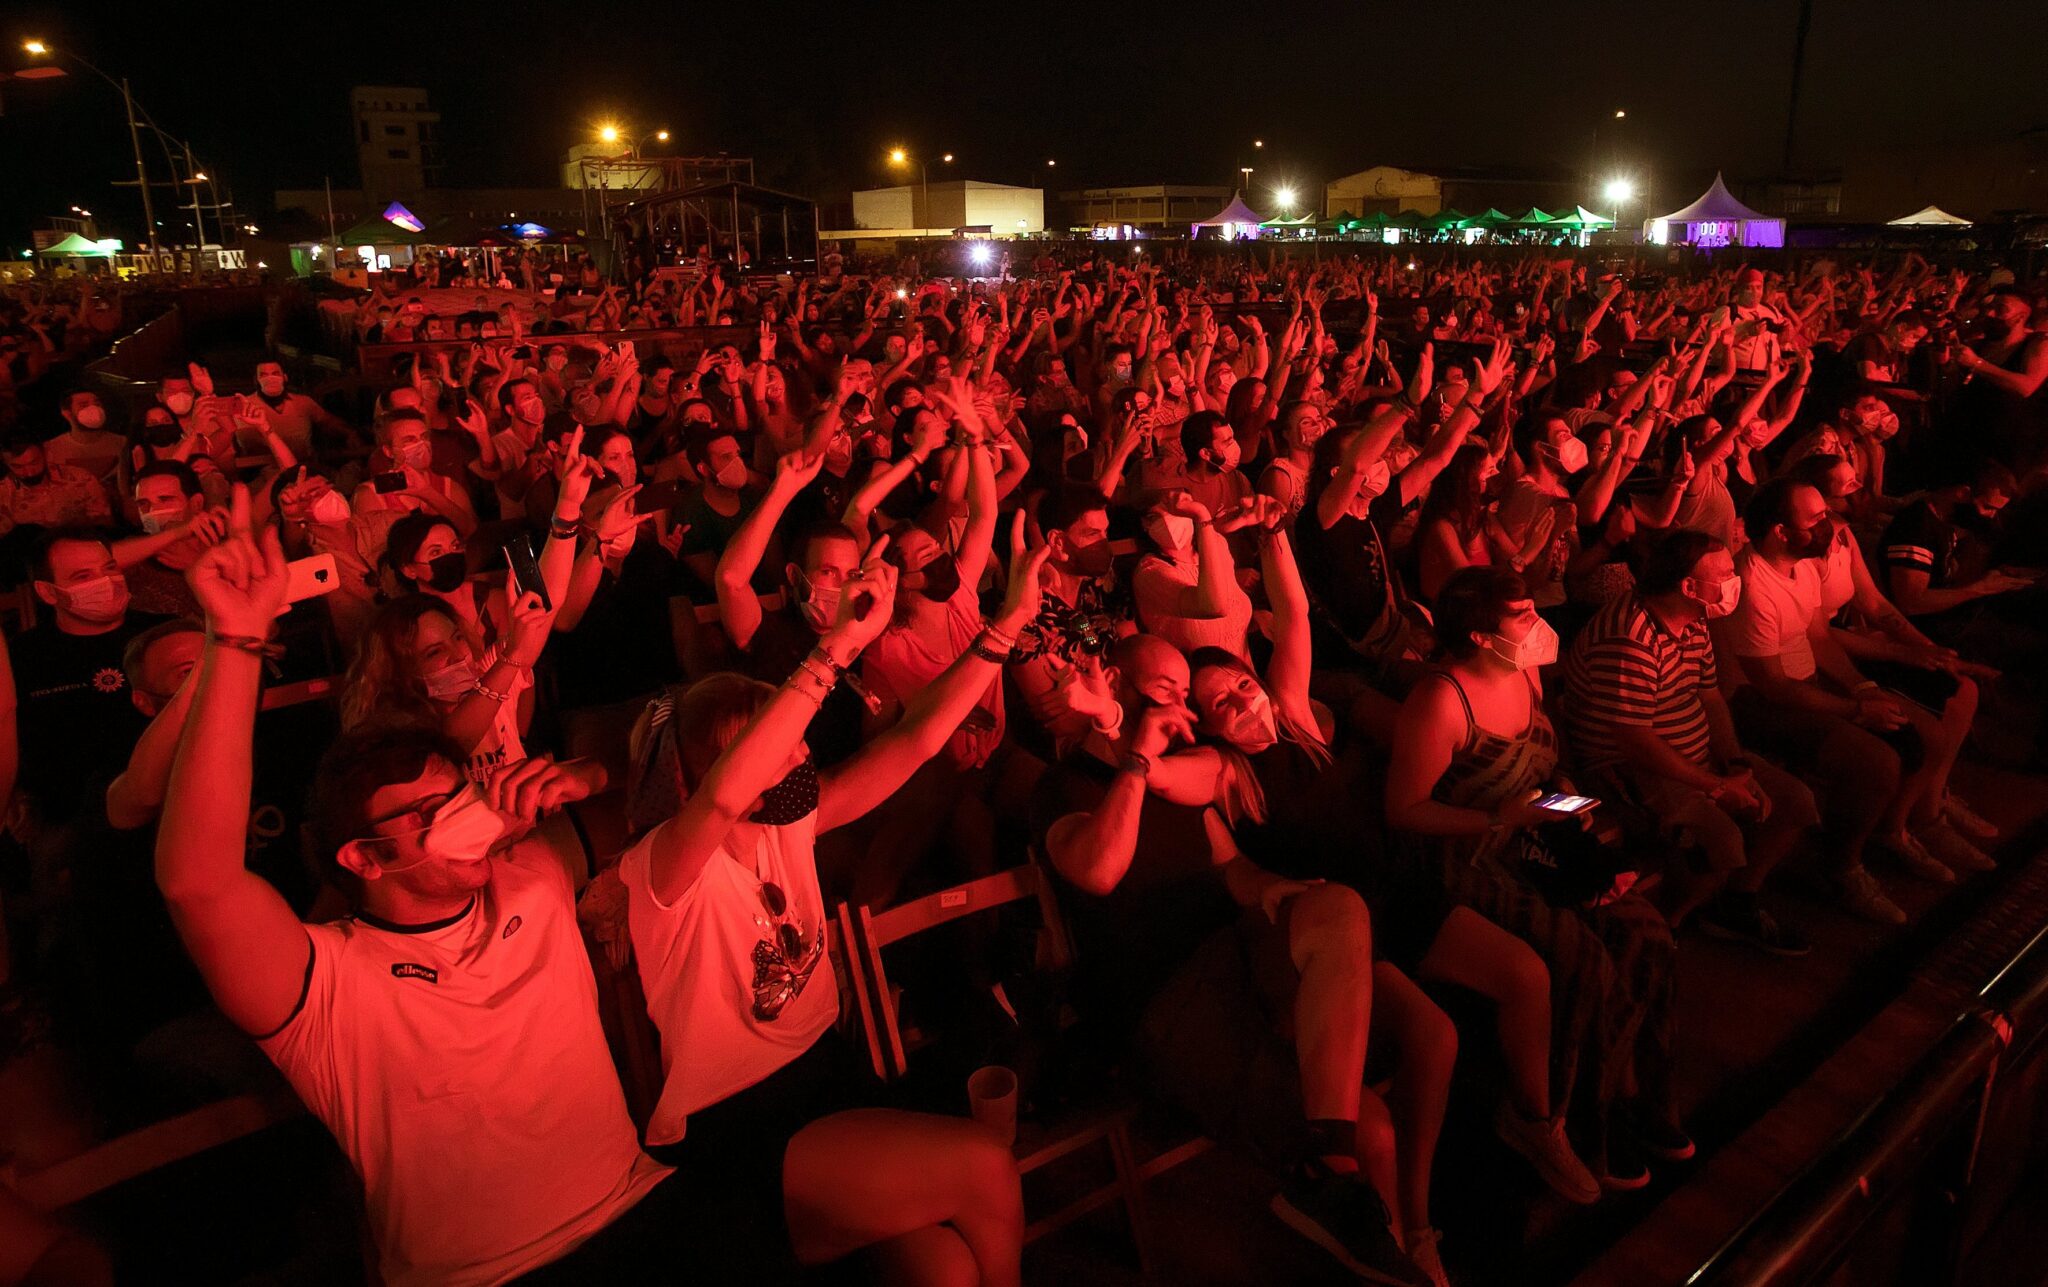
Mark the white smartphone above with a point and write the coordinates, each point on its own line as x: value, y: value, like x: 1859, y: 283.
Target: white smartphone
x: 308, y: 577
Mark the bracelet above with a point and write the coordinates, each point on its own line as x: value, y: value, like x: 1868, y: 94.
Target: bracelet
x: 997, y: 633
x: 794, y: 686
x: 823, y: 658
x: 827, y: 680
x: 499, y: 697
x: 980, y: 648
x: 1136, y: 762
x: 255, y: 645
x: 1115, y: 724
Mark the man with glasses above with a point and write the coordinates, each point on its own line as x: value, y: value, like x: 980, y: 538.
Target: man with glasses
x: 447, y: 1033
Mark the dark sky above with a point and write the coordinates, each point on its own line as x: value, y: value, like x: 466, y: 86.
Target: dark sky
x: 1117, y: 93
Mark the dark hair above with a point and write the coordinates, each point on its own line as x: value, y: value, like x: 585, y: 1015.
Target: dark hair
x: 355, y: 768
x: 40, y: 561
x: 823, y: 530
x: 188, y: 481
x: 898, y: 390
x: 1672, y: 559
x: 1457, y: 496
x: 1770, y: 505
x: 1062, y: 507
x: 138, y: 647
x: 18, y: 441
x: 1813, y: 470
x: 1473, y: 601
x: 1992, y: 476
x: 402, y: 544
x: 697, y: 444
x: 1198, y: 433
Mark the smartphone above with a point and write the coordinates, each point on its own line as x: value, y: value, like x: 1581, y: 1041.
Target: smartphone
x: 526, y: 569
x: 1565, y: 805
x: 306, y: 578
x: 385, y: 484
x: 655, y: 497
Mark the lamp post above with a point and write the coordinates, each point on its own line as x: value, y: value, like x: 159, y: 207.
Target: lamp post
x: 1620, y: 191
x: 923, y: 212
x: 38, y: 49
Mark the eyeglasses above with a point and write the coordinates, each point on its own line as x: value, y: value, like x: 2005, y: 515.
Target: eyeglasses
x: 783, y: 961
x: 420, y: 812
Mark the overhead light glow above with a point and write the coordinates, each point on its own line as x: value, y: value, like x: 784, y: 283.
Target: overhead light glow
x: 947, y: 158
x: 661, y: 136
x: 608, y: 133
x: 36, y: 47
x: 1285, y: 196
x: 1619, y: 190
x: 980, y: 252
x: 897, y: 156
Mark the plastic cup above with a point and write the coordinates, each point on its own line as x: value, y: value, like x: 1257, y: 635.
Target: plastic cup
x: 992, y: 1101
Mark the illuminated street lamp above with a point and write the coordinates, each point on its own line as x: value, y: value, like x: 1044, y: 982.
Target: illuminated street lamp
x: 898, y: 156
x: 37, y: 49
x: 1285, y: 196
x: 1619, y: 191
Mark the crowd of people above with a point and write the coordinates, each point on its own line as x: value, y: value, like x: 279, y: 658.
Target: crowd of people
x: 1340, y: 632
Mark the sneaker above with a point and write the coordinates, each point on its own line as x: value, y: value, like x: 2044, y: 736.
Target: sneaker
x: 1625, y: 1169
x: 1745, y: 922
x: 1946, y: 843
x: 1345, y: 1217
x: 1862, y: 896
x: 1967, y: 820
x: 1428, y: 1257
x: 1543, y: 1145
x: 1913, y: 856
x: 1658, y: 1138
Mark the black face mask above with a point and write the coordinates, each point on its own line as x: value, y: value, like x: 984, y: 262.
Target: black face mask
x: 445, y: 571
x: 32, y: 480
x: 1971, y: 519
x: 162, y: 435
x: 941, y: 580
x: 791, y: 800
x: 1090, y: 560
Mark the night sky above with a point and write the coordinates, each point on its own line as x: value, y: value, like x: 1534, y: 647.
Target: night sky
x: 1129, y: 93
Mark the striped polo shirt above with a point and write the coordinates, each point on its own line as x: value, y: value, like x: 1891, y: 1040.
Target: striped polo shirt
x: 1626, y: 669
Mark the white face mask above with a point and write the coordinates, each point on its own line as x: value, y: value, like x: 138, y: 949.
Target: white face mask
x: 179, y: 404
x: 154, y: 521
x: 1570, y: 456
x: 463, y: 831
x: 1379, y: 475
x: 329, y: 509
x: 450, y: 681
x: 417, y: 455
x: 99, y: 600
x: 92, y: 417
x: 1537, y: 648
x: 733, y: 476
x: 818, y: 603
x: 1170, y: 531
x: 1726, y: 600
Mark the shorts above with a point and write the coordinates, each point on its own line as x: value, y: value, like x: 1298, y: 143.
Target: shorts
x: 1723, y: 838
x: 720, y: 1218
x: 1930, y: 689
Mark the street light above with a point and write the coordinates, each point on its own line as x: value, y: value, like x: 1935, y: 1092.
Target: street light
x: 1620, y: 115
x: 37, y: 49
x: 1620, y: 191
x: 608, y: 133
x: 898, y: 156
x: 1285, y: 196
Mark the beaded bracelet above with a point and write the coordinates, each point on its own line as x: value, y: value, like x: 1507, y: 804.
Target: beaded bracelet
x: 492, y: 693
x: 980, y: 648
x: 828, y: 681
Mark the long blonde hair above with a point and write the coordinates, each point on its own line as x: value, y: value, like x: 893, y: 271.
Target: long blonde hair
x: 383, y: 688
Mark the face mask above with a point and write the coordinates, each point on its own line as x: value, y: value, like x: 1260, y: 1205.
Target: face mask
x: 941, y: 579
x: 792, y: 799
x: 1090, y: 560
x: 1569, y: 456
x: 178, y: 404
x: 92, y: 417
x: 1883, y: 426
x: 1170, y: 531
x: 557, y: 362
x: 1537, y: 648
x: 161, y: 435
x: 1378, y: 476
x: 1726, y: 600
x: 1815, y: 540
x: 450, y: 681
x: 463, y: 831
x: 416, y: 455
x: 271, y: 388
x: 445, y: 571
x: 101, y: 599
x: 329, y: 509
x: 732, y: 475
x: 154, y: 521
x: 819, y: 604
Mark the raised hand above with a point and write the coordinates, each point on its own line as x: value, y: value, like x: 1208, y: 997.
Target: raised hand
x: 866, y: 606
x: 531, y: 622
x: 473, y: 420
x: 241, y: 582
x: 202, y: 379
x: 1021, y: 598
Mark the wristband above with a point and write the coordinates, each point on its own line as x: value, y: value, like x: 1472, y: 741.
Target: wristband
x: 255, y: 645
x: 1115, y: 723
x: 1136, y: 762
x: 980, y: 648
x: 828, y: 680
x: 823, y: 658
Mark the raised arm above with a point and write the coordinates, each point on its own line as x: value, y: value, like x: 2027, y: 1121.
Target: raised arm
x: 930, y: 718
x: 1093, y: 850
x: 682, y: 845
x: 250, y: 949
x: 738, y: 606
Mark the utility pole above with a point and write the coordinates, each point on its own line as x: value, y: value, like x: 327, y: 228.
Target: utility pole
x: 1798, y: 75
x: 141, y: 178
x: 198, y: 223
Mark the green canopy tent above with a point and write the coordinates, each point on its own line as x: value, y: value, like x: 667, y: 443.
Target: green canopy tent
x: 75, y: 246
x: 1492, y: 219
x: 1535, y: 218
x: 1587, y: 219
x: 1449, y: 221
x: 379, y: 231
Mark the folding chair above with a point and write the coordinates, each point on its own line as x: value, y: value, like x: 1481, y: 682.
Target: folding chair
x: 866, y: 932
x: 153, y: 1147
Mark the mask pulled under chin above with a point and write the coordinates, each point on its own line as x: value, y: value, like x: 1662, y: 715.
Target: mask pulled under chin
x: 792, y: 799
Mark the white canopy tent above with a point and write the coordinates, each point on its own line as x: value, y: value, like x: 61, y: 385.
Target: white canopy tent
x: 1234, y: 220
x: 1930, y: 217
x: 1716, y: 219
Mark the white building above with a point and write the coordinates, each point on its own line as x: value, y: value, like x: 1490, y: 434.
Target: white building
x: 1000, y: 208
x: 396, y: 144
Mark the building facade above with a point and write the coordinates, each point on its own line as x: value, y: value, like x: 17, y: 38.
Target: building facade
x: 398, y: 148
x: 1154, y: 207
x: 1003, y: 209
x: 1392, y: 189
